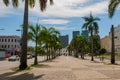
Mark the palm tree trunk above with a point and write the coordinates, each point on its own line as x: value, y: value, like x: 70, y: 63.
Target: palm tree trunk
x: 52, y: 54
x: 47, y: 52
x: 59, y: 52
x: 23, y: 60
x: 92, y: 56
x: 76, y: 50
x: 36, y: 61
x: 112, y: 46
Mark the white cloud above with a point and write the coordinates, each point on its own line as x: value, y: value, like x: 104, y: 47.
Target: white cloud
x: 62, y: 8
x: 64, y: 28
x: 54, y: 21
x: 5, y: 10
x: 69, y: 8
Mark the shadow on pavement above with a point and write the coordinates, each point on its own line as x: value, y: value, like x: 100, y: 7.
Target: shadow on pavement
x: 22, y: 75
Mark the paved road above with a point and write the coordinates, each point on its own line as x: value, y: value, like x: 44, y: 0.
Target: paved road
x: 5, y: 64
x: 67, y: 68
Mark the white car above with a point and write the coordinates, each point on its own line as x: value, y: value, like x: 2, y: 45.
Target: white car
x: 14, y: 58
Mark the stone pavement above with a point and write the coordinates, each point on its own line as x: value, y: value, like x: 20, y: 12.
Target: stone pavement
x: 66, y: 68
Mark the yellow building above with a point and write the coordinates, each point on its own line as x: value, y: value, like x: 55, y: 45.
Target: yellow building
x: 106, y: 43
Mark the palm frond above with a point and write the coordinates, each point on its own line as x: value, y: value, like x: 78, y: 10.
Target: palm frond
x: 112, y: 6
x: 31, y: 3
x: 51, y: 2
x: 6, y: 2
x: 42, y: 4
x: 86, y: 18
x: 85, y: 25
x: 32, y: 29
x: 15, y: 3
x: 96, y: 28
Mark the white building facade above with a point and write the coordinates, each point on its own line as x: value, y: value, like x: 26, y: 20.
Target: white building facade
x: 117, y: 39
x: 10, y: 43
x: 106, y: 41
x: 64, y: 51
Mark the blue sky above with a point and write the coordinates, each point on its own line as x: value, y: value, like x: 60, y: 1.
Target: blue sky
x: 64, y: 15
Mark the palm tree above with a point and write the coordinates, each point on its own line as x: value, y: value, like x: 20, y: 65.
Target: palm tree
x: 75, y: 43
x: 34, y: 35
x: 96, y: 43
x: 49, y: 39
x: 83, y: 44
x: 59, y: 46
x: 111, y: 10
x: 112, y: 6
x: 92, y: 26
x: 43, y: 3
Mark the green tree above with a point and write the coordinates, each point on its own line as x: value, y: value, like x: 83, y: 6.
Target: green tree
x: 34, y: 35
x: 31, y: 3
x: 77, y: 45
x: 30, y: 49
x: 49, y: 37
x: 102, y: 51
x: 83, y: 45
x: 70, y: 49
x: 96, y: 43
x: 92, y: 26
x: 112, y: 6
x: 59, y: 47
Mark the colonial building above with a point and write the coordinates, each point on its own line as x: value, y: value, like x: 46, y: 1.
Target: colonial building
x: 117, y: 39
x: 64, y: 51
x: 106, y: 43
x: 10, y: 43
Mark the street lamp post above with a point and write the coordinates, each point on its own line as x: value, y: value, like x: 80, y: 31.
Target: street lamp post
x: 21, y: 36
x: 112, y: 46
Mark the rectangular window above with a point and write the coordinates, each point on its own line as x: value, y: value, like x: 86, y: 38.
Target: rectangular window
x: 15, y: 40
x: 2, y: 46
x: 5, y: 46
x: 5, y: 40
x: 8, y: 40
x: 2, y: 40
x: 11, y: 46
x: 8, y: 46
x: 11, y: 40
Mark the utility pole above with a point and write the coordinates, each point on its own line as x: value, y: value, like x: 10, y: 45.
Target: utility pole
x: 112, y: 46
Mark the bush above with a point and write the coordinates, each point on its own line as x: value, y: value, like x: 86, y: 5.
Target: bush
x: 102, y: 51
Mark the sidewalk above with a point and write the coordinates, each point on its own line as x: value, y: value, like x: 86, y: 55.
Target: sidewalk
x: 66, y: 68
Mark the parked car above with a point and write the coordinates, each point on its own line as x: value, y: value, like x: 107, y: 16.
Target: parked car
x: 14, y: 58
x: 33, y: 54
x: 29, y: 56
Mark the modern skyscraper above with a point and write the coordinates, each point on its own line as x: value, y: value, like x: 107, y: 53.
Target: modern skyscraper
x: 85, y: 33
x: 64, y: 40
x: 75, y: 33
